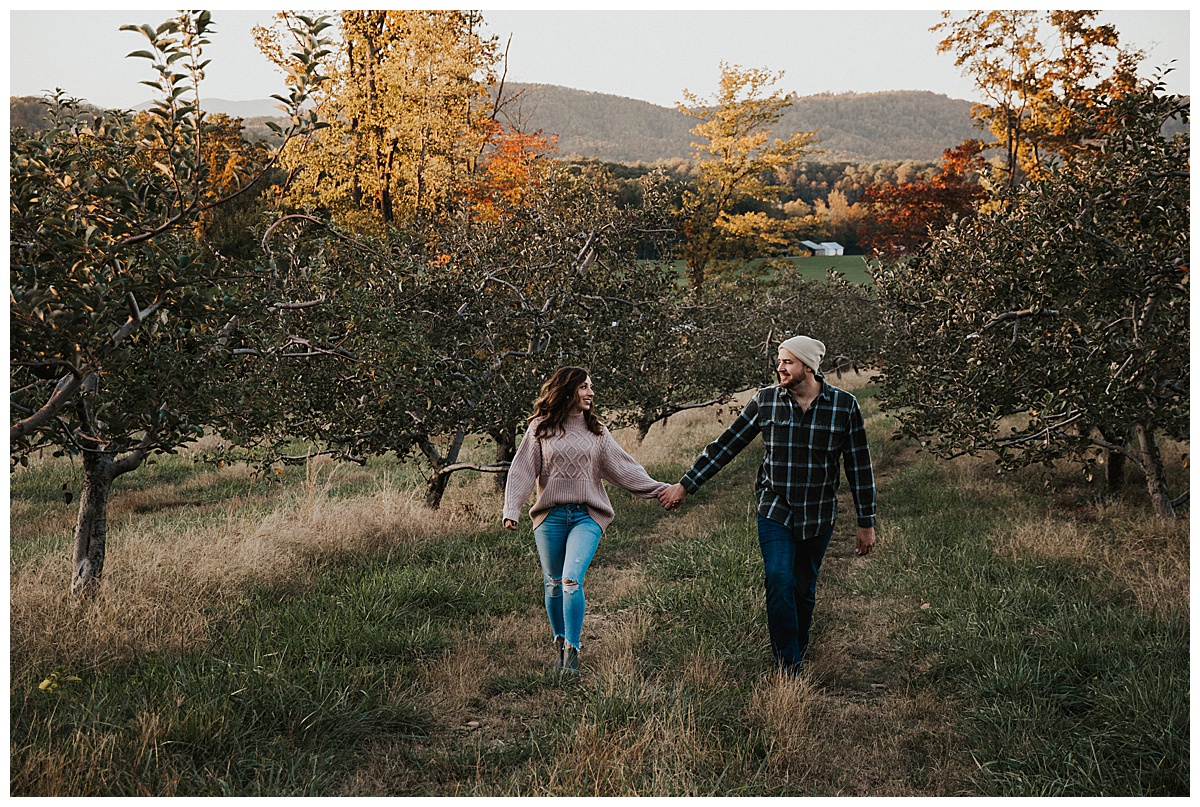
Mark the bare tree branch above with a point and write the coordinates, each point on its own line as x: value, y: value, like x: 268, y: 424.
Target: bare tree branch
x: 135, y: 458
x: 298, y: 458
x: 1040, y: 434
x: 499, y: 467
x: 277, y: 307
x: 135, y: 320
x: 66, y: 388
x: 1010, y: 316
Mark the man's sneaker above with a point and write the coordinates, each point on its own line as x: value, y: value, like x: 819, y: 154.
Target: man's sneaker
x: 571, y: 661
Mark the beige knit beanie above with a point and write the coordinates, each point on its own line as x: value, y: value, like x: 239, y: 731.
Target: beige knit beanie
x: 805, y: 349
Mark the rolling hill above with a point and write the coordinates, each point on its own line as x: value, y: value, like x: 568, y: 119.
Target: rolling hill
x: 857, y: 127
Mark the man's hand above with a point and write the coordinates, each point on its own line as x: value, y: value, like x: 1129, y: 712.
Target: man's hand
x: 670, y: 498
x: 509, y: 524
x: 866, y: 540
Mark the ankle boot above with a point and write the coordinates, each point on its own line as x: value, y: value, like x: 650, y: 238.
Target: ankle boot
x: 571, y: 661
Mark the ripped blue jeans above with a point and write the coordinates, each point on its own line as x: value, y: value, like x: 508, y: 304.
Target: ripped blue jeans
x: 566, y: 540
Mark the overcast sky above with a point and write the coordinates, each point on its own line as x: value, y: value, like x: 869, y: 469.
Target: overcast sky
x: 649, y: 55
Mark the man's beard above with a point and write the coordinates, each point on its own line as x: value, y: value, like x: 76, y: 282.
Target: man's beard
x: 792, y: 382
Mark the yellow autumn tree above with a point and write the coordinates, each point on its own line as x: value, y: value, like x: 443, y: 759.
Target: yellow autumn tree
x: 1040, y: 74
x: 407, y: 105
x: 738, y: 162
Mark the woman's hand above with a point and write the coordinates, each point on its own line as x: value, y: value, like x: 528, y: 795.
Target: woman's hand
x: 671, y: 497
x: 509, y: 524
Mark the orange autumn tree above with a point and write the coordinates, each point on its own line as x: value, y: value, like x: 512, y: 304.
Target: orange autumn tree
x: 1043, y: 77
x: 231, y: 163
x: 515, y: 164
x: 901, y: 218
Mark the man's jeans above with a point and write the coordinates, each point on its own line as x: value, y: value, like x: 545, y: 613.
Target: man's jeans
x: 790, y: 567
x: 566, y: 540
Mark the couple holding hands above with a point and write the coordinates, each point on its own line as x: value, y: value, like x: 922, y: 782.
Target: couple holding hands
x: 809, y: 429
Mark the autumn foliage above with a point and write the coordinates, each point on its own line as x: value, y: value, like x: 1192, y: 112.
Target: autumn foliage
x: 1045, y: 77
x: 901, y: 218
x: 515, y: 163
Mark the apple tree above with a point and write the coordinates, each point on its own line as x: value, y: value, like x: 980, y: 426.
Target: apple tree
x: 1057, y: 326
x: 119, y: 317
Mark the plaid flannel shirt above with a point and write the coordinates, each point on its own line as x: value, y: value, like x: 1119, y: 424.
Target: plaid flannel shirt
x: 799, y: 477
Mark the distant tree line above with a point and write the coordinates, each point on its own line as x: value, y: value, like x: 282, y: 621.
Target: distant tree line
x: 828, y: 190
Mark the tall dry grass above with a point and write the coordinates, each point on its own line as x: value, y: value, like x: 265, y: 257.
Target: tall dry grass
x: 162, y: 575
x: 1148, y: 558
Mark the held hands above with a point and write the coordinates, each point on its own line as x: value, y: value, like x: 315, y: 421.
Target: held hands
x: 509, y: 524
x: 670, y: 498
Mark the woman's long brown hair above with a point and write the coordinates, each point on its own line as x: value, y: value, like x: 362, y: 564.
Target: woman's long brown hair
x: 554, y: 402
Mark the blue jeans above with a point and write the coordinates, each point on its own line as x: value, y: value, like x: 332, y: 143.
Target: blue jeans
x: 790, y: 567
x: 566, y: 540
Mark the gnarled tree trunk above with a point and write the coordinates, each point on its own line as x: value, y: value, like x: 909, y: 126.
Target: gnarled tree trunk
x: 440, y: 464
x: 1156, y: 483
x: 506, y: 449
x: 91, y: 528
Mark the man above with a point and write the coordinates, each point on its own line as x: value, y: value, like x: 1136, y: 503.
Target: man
x: 807, y: 425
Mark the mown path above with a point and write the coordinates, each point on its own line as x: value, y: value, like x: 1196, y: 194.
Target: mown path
x: 507, y: 724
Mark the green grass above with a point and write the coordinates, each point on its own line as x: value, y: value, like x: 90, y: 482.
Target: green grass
x: 854, y: 267
x: 1066, y: 688
x: 233, y: 720
x: 1053, y: 681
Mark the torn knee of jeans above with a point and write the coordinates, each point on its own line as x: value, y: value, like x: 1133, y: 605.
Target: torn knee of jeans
x: 570, y: 585
x: 553, y: 585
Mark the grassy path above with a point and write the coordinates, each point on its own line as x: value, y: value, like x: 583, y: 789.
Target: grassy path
x: 678, y: 696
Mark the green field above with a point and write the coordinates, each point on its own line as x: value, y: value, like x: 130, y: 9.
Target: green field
x: 854, y: 267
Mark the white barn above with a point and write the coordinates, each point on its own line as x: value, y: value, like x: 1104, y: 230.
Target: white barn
x: 824, y: 248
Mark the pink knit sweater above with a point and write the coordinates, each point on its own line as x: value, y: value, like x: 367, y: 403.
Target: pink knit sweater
x: 571, y: 468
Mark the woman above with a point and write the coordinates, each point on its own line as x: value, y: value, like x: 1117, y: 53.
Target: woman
x: 569, y: 454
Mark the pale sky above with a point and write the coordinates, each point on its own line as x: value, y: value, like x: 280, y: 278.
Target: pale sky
x: 649, y: 55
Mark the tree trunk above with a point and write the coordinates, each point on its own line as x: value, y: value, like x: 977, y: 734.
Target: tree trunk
x: 91, y: 529
x: 435, y: 489
x: 1115, y: 471
x: 506, y: 449
x: 1156, y: 482
x: 436, y: 486
x: 1114, y: 462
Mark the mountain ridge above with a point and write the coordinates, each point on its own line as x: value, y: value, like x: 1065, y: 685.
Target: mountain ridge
x: 868, y: 127
x: 852, y: 127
